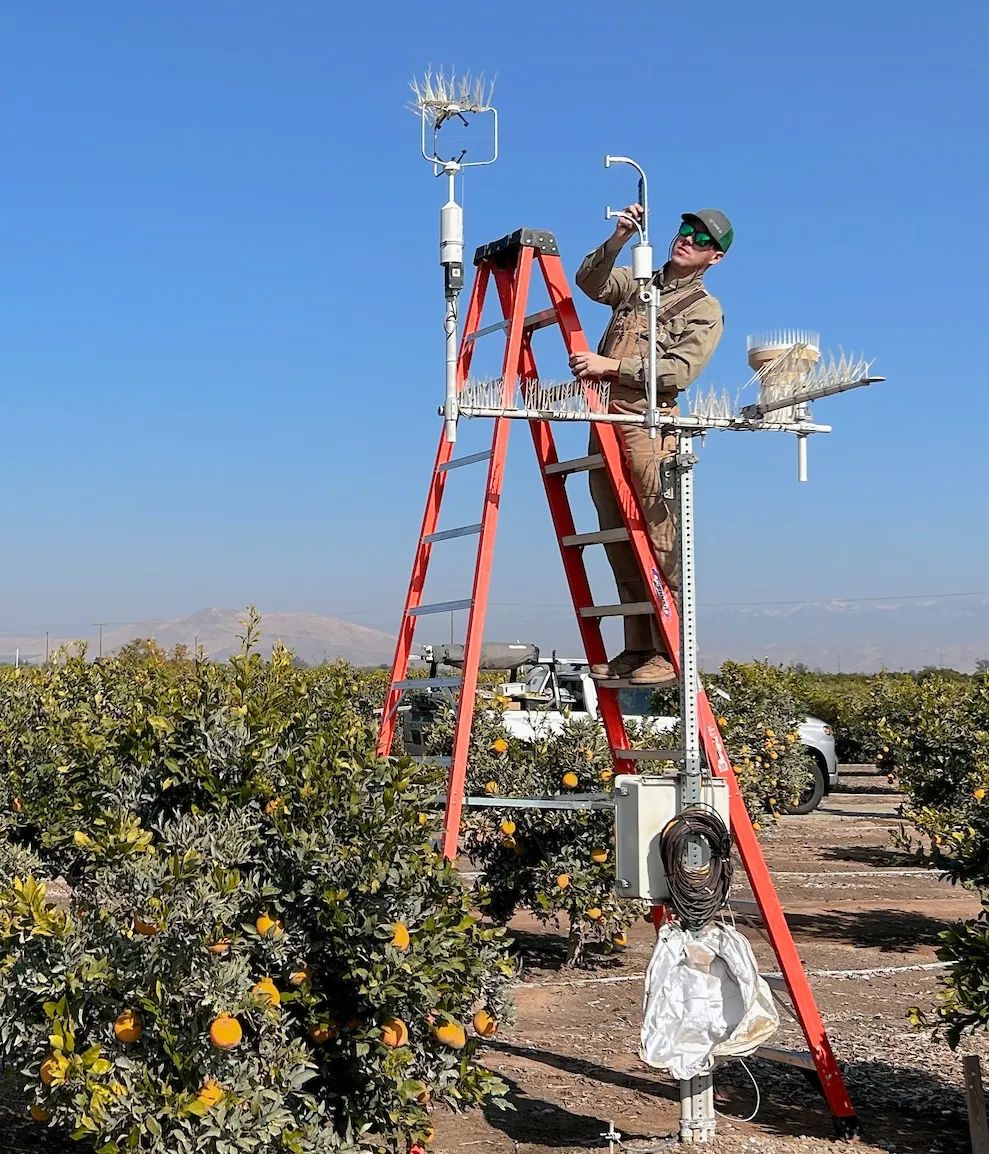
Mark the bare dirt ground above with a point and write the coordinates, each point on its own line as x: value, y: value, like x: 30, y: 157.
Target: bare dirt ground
x: 854, y: 904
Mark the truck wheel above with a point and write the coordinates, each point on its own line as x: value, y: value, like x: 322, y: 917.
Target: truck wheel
x: 810, y: 799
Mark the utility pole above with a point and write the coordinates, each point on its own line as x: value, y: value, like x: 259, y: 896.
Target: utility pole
x: 46, y: 646
x: 100, y: 624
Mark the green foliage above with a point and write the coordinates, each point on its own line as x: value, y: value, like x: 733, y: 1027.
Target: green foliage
x: 221, y: 827
x: 942, y: 756
x: 759, y: 722
x: 854, y: 705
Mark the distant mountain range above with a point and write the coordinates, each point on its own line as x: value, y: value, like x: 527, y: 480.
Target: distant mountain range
x: 850, y: 636
x: 853, y: 636
x: 312, y: 637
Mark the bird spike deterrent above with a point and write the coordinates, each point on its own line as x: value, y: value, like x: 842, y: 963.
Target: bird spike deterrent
x: 438, y: 96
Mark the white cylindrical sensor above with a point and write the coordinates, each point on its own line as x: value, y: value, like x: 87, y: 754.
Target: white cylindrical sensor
x: 451, y: 233
x: 642, y: 269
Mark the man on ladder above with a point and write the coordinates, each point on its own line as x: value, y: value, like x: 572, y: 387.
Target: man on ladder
x: 690, y: 324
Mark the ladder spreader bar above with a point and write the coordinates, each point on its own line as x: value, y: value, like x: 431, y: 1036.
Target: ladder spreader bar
x: 449, y: 534
x: 651, y: 754
x: 601, y: 537
x: 532, y: 322
x: 576, y: 465
x: 628, y: 609
x: 441, y: 607
x: 802, y: 1059
x: 427, y: 683
x: 459, y: 462
x: 571, y: 801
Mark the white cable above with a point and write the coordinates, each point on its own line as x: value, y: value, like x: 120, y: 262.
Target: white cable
x: 758, y: 1097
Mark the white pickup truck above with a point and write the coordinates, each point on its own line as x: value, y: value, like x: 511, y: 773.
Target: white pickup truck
x: 546, y: 692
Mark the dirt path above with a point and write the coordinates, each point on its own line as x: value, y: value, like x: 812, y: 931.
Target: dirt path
x: 854, y: 904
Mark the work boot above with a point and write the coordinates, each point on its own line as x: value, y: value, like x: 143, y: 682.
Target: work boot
x: 656, y: 671
x: 620, y: 666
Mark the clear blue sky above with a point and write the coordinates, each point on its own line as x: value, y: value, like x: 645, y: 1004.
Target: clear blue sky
x: 220, y: 313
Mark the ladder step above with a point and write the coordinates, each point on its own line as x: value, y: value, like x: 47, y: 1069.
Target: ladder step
x: 745, y: 908
x: 428, y: 759
x: 802, y: 1059
x: 441, y: 607
x: 651, y: 754
x: 427, y: 683
x: 459, y: 462
x: 631, y: 609
x: 601, y: 537
x: 449, y: 534
x: 577, y: 465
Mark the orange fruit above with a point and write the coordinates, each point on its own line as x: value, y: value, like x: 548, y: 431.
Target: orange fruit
x: 268, y: 927
x: 219, y: 948
x: 979, y: 793
x: 599, y: 856
x: 40, y: 1114
x: 225, y: 1033
x: 451, y: 1034
x: 128, y: 1027
x: 394, y: 1032
x: 322, y: 1032
x: 499, y: 745
x: 424, y: 819
x: 273, y: 806
x: 400, y: 937
x: 570, y: 779
x: 563, y: 880
x: 145, y: 929
x: 594, y: 913
x: 267, y: 989
x: 722, y: 722
x: 484, y: 1024
x: 507, y: 827
x: 607, y: 774
x: 619, y: 940
x: 300, y: 977
x: 49, y: 1067
x: 210, y: 1093
x: 17, y: 805
x: 490, y: 788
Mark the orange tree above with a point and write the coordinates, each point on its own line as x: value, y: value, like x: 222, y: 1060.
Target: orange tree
x: 758, y: 713
x: 941, y: 750
x: 261, y: 949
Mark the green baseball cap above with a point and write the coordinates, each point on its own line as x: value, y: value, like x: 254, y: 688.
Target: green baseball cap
x: 716, y: 223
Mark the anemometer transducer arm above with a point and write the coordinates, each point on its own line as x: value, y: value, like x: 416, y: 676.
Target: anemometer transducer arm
x: 439, y: 99
x: 643, y: 272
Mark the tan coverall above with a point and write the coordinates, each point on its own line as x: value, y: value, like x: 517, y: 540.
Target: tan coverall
x: 684, y: 345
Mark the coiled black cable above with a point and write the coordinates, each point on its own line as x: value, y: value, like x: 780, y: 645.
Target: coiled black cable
x: 697, y: 893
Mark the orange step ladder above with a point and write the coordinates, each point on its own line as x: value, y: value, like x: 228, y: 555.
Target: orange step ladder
x: 509, y: 262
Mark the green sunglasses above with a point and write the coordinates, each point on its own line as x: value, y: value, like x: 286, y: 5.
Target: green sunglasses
x: 699, y: 238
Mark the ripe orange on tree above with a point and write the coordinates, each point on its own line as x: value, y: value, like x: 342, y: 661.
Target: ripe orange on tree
x: 400, y: 937
x: 267, y: 989
x: 217, y: 949
x: 301, y: 976
x: 225, y: 1033
x: 128, y: 1027
x: 267, y: 926
x: 507, y: 827
x: 563, y: 880
x: 394, y: 1032
x: 570, y: 779
x: 599, y: 856
x: 451, y: 1034
x: 484, y: 1024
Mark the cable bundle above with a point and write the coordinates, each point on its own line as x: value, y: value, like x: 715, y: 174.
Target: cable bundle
x: 697, y: 893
